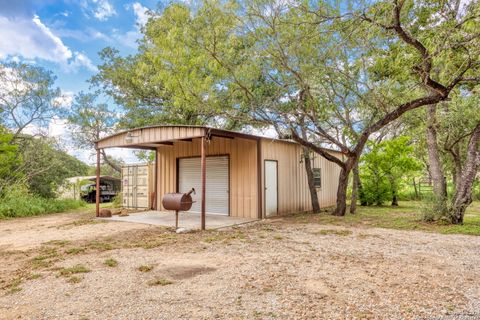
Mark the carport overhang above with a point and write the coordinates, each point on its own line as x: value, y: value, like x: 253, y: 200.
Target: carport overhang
x: 154, y: 137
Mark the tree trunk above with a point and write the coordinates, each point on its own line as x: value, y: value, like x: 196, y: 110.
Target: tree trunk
x: 457, y: 166
x: 463, y: 193
x: 361, y: 193
x: 355, y: 189
x: 417, y: 196
x: 435, y: 166
x: 311, y: 181
x: 342, y: 192
x: 394, y: 187
x: 394, y: 199
x: 110, y: 163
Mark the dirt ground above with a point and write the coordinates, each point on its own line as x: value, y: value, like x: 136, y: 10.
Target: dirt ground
x: 70, y: 266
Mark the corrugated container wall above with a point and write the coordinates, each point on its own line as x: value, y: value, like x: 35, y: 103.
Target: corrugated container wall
x: 137, y: 186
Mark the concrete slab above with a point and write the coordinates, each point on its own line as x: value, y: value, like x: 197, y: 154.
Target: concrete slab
x: 186, y: 220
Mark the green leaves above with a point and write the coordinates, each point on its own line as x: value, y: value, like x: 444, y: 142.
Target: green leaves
x: 27, y: 96
x: 90, y: 120
x: 45, y: 166
x: 9, y: 159
x: 385, y: 166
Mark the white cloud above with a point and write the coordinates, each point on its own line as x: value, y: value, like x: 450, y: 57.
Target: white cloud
x: 129, y: 39
x: 58, y: 128
x: 65, y: 100
x: 103, y: 10
x: 269, y: 132
x: 30, y: 38
x: 140, y: 13
x: 462, y: 8
x: 124, y: 154
x: 81, y: 60
x: 84, y: 35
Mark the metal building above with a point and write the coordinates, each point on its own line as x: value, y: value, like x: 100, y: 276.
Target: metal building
x: 235, y: 174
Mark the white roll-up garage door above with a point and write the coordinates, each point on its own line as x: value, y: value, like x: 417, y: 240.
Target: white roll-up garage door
x: 217, y: 189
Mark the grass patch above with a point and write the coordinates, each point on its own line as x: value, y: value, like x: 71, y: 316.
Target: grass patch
x: 277, y: 237
x: 40, y: 263
x: 60, y: 243
x: 34, y: 276
x: 102, y: 205
x: 145, y: 268
x: 83, y: 222
x: 225, y: 236
x: 74, y: 250
x: 111, y: 262
x: 326, y: 232
x: 368, y: 235
x: 47, y: 257
x: 159, y: 282
x: 14, y: 286
x: 213, y: 238
x: 100, y: 246
x: 407, y: 216
x: 154, y: 242
x: 73, y: 270
x: 74, y: 279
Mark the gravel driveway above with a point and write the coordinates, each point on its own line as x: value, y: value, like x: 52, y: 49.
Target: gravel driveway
x: 278, y: 269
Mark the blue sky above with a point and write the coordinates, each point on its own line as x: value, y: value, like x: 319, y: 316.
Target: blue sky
x: 65, y: 36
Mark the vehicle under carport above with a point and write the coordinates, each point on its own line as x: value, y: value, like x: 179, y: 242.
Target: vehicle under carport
x: 109, y: 188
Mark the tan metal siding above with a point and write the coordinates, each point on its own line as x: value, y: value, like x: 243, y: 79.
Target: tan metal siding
x: 151, y: 135
x: 243, y: 170
x: 327, y: 194
x: 293, y: 192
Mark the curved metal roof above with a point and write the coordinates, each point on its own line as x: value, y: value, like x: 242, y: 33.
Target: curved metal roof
x: 151, y: 137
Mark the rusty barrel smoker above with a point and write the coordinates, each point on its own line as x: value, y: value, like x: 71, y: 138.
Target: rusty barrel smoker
x: 178, y: 202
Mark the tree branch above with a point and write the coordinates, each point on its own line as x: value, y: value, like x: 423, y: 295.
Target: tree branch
x: 324, y: 153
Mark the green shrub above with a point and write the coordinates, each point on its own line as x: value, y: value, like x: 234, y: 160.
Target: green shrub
x: 435, y: 209
x: 476, y: 190
x: 18, y: 202
x: 376, y: 190
x: 117, y: 201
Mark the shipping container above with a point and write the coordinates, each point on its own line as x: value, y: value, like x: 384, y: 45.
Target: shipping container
x: 138, y: 186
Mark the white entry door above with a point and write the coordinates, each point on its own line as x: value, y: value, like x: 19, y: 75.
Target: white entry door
x: 271, y: 188
x: 217, y: 187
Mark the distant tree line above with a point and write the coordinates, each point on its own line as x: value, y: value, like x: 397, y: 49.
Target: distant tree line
x: 31, y: 161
